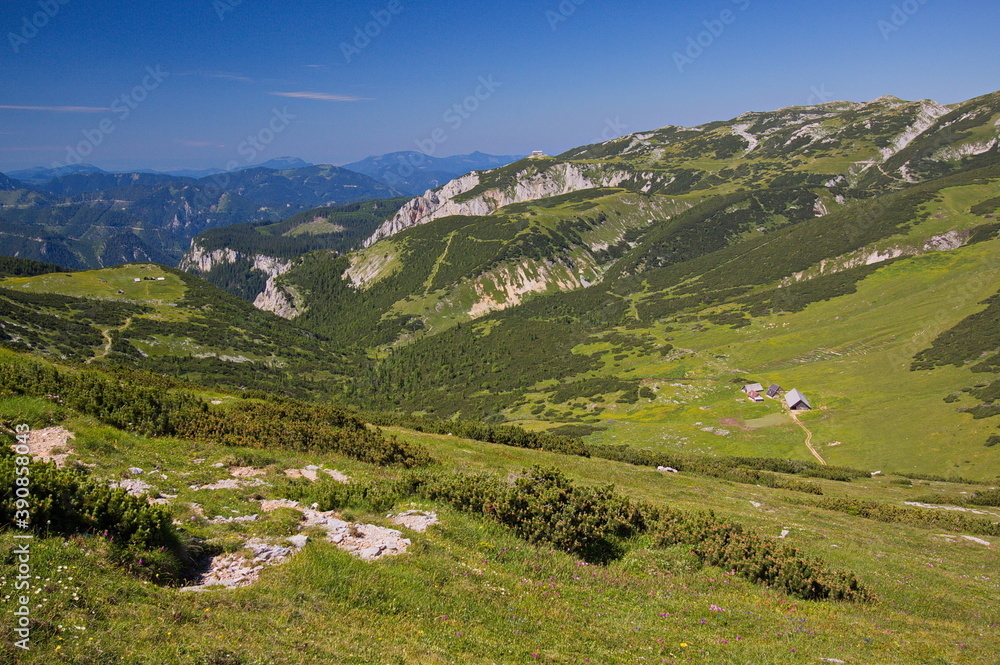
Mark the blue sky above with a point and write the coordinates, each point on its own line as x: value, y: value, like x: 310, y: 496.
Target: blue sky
x: 200, y: 83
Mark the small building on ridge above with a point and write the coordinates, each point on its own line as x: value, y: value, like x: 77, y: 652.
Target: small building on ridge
x: 796, y: 401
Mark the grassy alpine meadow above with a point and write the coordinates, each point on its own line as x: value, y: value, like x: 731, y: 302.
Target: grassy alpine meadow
x: 854, y: 381
x: 468, y: 590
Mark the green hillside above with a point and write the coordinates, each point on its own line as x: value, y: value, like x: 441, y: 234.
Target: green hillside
x: 608, y: 356
x: 165, y: 321
x: 667, y: 580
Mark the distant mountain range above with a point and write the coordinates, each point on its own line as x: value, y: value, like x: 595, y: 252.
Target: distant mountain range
x: 409, y: 172
x: 85, y: 217
x: 39, y: 175
x: 88, y: 218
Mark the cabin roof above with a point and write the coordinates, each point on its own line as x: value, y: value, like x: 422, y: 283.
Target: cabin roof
x: 793, y: 397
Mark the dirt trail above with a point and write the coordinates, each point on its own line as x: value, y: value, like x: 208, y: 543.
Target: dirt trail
x: 107, y: 341
x: 437, y: 264
x: 809, y: 437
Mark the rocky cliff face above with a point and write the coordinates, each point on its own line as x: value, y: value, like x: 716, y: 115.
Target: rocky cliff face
x: 273, y: 298
x: 280, y: 299
x: 530, y: 184
x: 432, y: 205
x: 198, y: 259
x: 508, y: 285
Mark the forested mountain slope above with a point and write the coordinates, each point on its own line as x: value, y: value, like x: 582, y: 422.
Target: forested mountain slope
x: 558, y: 290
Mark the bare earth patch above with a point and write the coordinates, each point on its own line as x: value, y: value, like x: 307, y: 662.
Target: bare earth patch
x: 50, y: 445
x: 245, y: 471
x: 310, y: 474
x: 732, y: 422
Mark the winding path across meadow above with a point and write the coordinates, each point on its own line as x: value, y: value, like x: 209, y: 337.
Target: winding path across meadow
x: 809, y: 437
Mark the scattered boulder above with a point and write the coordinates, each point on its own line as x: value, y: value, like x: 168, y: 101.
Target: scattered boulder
x: 219, y: 519
x: 299, y: 541
x: 311, y: 472
x: 369, y: 542
x: 415, y: 520
x: 365, y: 541
x: 133, y: 486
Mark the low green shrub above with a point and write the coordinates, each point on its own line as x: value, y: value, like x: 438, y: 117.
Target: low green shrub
x: 989, y: 497
x: 505, y: 435
x: 883, y: 512
x: 543, y: 506
x: 66, y: 502
x: 730, y: 546
x: 155, y: 411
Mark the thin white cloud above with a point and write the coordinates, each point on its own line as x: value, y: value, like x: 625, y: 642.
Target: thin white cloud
x: 58, y: 109
x: 322, y: 96
x: 227, y: 76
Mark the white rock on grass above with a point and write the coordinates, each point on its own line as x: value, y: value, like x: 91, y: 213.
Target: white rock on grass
x: 219, y: 519
x: 299, y: 541
x: 416, y: 520
x: 311, y: 472
x: 133, y: 486
x: 366, y: 541
x: 236, y: 570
